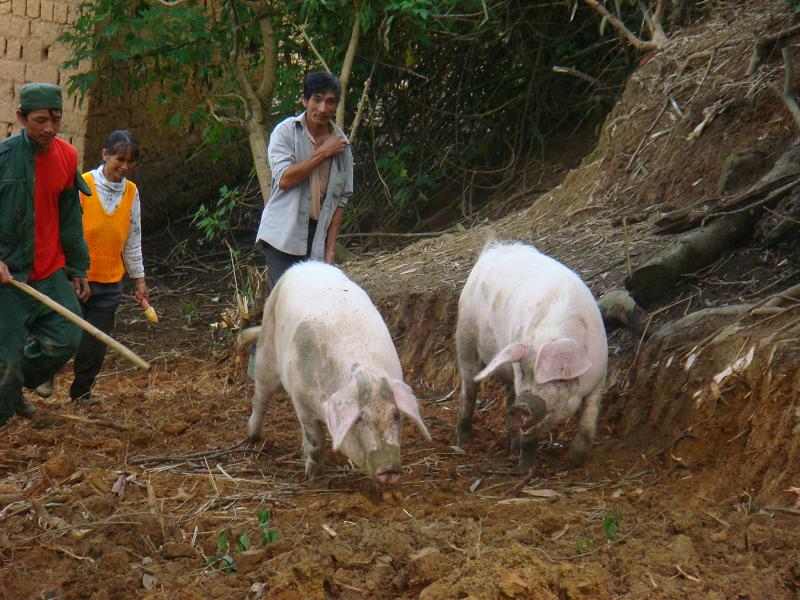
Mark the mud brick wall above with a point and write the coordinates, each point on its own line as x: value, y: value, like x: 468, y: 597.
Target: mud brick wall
x: 169, y: 183
x: 29, y: 52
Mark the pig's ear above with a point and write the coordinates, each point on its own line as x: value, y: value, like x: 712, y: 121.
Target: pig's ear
x: 560, y: 359
x: 407, y: 404
x: 341, y: 411
x: 510, y: 354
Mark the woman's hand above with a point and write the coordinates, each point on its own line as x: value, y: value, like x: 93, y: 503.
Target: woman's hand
x: 82, y: 289
x: 141, y: 294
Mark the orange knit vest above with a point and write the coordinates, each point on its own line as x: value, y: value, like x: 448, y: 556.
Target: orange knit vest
x: 106, y: 234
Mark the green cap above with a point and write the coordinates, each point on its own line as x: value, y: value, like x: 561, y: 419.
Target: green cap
x: 33, y: 96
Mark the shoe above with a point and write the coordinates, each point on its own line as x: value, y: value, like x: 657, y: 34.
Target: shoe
x: 45, y: 390
x: 25, y: 409
x: 88, y: 400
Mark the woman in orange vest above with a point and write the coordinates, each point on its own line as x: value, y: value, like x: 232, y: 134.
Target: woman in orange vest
x: 113, y: 231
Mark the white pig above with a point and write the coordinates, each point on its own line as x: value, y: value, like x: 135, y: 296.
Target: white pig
x: 531, y: 320
x: 324, y: 340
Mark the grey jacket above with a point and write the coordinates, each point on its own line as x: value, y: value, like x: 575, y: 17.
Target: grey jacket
x: 284, y: 222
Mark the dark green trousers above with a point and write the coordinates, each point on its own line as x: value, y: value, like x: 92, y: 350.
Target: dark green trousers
x: 35, y: 341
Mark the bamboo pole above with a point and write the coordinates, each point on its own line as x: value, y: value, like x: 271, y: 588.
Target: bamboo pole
x: 88, y: 327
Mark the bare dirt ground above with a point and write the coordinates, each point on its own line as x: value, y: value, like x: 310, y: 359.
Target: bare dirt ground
x: 691, y: 490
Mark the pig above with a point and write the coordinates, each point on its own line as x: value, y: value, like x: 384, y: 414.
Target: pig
x: 533, y: 322
x: 325, y: 342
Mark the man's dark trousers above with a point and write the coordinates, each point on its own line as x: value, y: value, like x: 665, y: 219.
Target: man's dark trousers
x: 35, y: 341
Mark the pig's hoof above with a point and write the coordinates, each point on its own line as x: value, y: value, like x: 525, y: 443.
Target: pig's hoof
x: 391, y: 497
x: 576, y: 458
x: 527, y: 460
x: 314, y: 470
x: 464, y: 435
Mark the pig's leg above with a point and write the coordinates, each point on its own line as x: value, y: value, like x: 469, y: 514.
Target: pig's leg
x: 512, y: 430
x: 267, y: 382
x: 527, y: 453
x: 313, y: 446
x: 266, y: 386
x: 587, y: 425
x: 469, y: 365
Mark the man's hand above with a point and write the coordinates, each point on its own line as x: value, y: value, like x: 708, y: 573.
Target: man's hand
x: 140, y: 293
x: 330, y: 255
x: 5, y: 274
x: 299, y: 172
x: 335, y: 144
x: 82, y: 289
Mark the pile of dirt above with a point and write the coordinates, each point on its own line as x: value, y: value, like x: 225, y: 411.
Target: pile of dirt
x: 691, y: 490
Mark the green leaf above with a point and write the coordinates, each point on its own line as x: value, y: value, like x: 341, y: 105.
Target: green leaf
x: 222, y: 538
x: 611, y: 527
x: 228, y: 563
x: 244, y: 543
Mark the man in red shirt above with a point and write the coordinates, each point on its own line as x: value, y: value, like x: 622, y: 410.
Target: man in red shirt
x: 41, y: 242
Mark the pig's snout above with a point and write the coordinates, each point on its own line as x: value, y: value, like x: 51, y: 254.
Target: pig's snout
x: 386, y: 478
x: 528, y: 413
x: 384, y: 464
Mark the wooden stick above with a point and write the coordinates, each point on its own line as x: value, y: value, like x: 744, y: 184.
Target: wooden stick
x: 88, y: 327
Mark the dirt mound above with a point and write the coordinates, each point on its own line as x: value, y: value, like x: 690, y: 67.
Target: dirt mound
x: 690, y: 491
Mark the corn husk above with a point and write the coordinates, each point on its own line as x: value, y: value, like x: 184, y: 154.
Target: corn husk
x: 151, y: 315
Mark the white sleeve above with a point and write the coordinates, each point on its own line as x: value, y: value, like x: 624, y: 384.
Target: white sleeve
x: 132, y: 252
x: 281, y: 150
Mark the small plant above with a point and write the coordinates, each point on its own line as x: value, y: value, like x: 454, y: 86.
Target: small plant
x: 217, y: 221
x: 227, y: 562
x: 268, y: 535
x: 611, y: 525
x: 189, y: 310
x: 243, y: 545
x: 583, y: 545
x: 224, y: 556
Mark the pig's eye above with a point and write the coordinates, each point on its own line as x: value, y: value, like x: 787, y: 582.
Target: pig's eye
x: 397, y: 416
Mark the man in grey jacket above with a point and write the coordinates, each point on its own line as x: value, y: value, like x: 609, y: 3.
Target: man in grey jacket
x: 312, y: 180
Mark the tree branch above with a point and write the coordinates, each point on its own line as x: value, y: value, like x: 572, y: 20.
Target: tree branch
x: 786, y: 94
x: 579, y: 74
x: 769, y: 43
x: 359, y: 111
x: 314, y: 48
x: 214, y: 110
x: 347, y: 65
x: 632, y: 38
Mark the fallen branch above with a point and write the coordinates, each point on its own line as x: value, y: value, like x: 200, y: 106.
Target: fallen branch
x: 66, y: 552
x: 514, y: 491
x: 781, y: 509
x: 395, y: 235
x: 196, y: 455
x: 693, y: 251
x: 99, y: 422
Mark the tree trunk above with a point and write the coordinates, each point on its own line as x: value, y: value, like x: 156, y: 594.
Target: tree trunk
x: 347, y: 65
x: 259, y: 142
